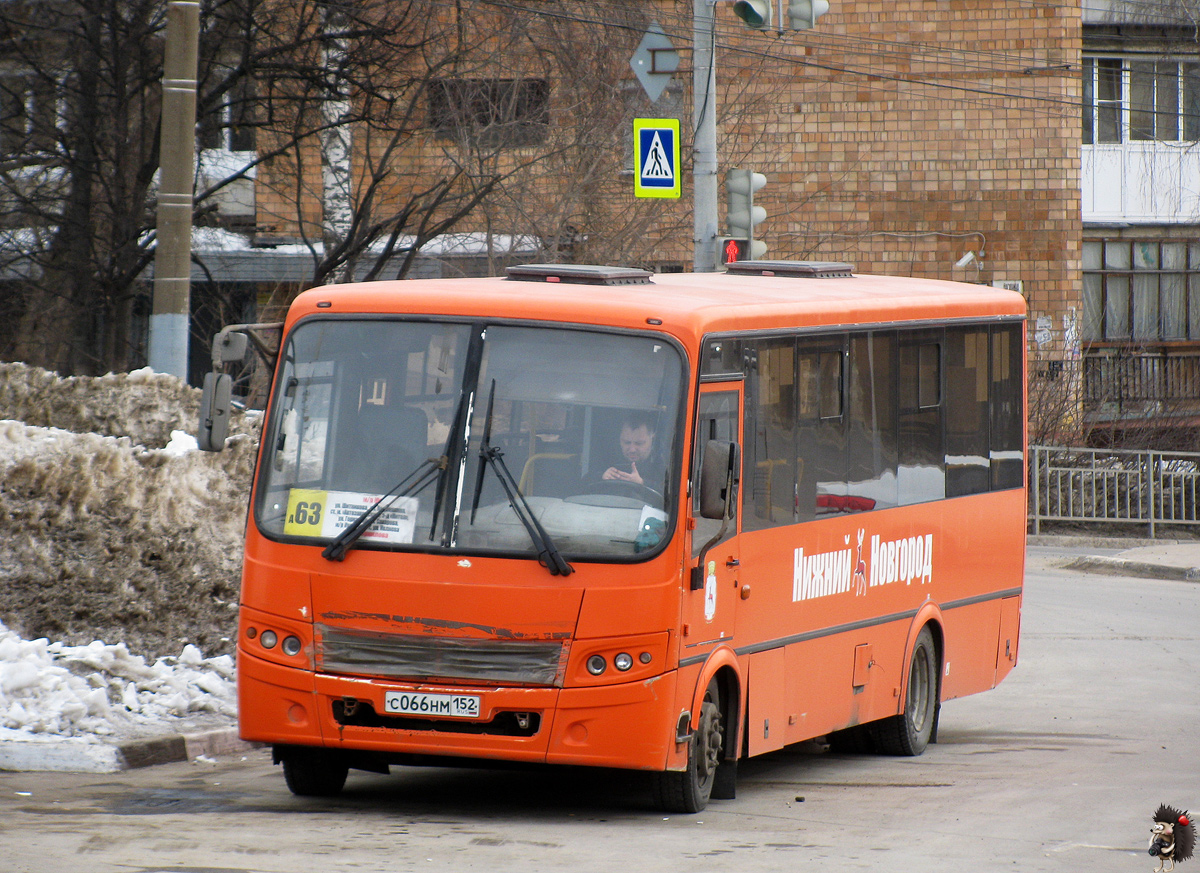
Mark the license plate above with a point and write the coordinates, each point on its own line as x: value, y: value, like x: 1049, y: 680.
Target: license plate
x: 443, y: 705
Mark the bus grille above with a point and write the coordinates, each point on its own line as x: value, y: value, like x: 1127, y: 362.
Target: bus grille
x: 399, y: 656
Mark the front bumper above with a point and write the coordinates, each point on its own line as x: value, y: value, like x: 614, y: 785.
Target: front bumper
x: 628, y: 725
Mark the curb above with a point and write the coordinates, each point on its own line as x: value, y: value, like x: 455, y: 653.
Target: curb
x: 71, y: 756
x: 1099, y: 564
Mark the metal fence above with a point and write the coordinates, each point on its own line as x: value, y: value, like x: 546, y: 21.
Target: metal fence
x: 1120, y: 486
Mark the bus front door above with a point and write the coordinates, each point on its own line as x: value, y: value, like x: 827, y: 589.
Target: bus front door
x: 711, y: 609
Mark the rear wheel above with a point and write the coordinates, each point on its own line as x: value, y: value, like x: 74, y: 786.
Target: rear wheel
x: 689, y: 790
x: 909, y: 733
x: 314, y: 772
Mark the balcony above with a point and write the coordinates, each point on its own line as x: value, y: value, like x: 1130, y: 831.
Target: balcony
x: 1160, y: 385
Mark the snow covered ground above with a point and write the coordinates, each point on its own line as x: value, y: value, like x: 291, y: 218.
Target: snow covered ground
x: 120, y: 549
x: 101, y: 692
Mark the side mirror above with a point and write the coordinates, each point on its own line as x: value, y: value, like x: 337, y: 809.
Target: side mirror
x: 719, y: 479
x: 214, y: 410
x: 229, y: 347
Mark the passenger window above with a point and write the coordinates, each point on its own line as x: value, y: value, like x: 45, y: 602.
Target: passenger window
x: 1008, y: 412
x: 967, y: 420
x: 769, y: 465
x: 871, y: 427
x: 921, y: 471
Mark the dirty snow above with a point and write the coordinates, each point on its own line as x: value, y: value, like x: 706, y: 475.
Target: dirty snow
x: 52, y: 690
x: 120, y: 555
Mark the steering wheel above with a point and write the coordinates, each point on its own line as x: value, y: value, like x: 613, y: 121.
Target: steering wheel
x: 621, y: 488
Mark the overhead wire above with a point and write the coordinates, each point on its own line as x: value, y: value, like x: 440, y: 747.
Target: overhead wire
x: 954, y: 62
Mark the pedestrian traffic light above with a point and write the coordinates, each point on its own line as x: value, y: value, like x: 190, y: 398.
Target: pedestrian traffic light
x: 803, y: 14
x: 756, y: 13
x: 730, y: 250
x: 741, y: 215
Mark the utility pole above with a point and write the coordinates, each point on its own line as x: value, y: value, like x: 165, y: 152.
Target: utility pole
x: 704, y: 125
x: 169, y: 319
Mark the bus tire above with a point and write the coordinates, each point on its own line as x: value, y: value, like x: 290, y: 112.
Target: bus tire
x: 910, y: 732
x: 689, y: 790
x: 314, y: 773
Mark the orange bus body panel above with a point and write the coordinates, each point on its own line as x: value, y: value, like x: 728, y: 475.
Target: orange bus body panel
x: 801, y: 656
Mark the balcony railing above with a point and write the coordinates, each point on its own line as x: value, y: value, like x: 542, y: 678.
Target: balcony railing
x: 1141, y: 384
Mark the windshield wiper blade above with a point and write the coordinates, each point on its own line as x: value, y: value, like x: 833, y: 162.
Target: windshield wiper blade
x: 453, y: 439
x: 412, y: 484
x: 548, y: 554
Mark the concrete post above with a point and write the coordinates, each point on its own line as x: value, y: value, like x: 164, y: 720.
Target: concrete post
x: 169, y: 319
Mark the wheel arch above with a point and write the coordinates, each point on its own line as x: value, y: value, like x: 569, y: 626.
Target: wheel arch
x: 928, y: 616
x: 722, y: 666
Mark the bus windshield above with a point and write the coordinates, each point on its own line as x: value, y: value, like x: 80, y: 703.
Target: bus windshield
x: 458, y: 434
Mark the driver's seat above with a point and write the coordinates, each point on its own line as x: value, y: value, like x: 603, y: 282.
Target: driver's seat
x: 398, y: 437
x: 550, y: 474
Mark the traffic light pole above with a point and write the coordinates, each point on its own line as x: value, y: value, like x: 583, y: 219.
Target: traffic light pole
x: 704, y: 123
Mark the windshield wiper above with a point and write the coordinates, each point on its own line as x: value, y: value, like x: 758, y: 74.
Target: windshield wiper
x: 412, y: 484
x: 548, y: 554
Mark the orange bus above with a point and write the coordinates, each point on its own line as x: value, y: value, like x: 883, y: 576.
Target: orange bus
x: 598, y: 516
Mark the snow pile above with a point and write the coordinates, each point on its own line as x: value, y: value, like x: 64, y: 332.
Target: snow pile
x: 52, y: 690
x: 142, y: 405
x: 112, y: 525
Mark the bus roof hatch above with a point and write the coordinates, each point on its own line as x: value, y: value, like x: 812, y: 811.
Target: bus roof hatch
x: 794, y: 269
x: 579, y: 274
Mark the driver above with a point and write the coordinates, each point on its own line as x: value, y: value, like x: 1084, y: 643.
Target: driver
x: 638, y: 430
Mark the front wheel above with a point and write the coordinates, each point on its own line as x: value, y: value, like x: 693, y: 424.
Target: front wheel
x: 910, y: 732
x: 314, y: 773
x: 689, y: 790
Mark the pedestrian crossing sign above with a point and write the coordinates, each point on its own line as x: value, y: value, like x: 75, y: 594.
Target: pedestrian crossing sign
x: 656, y: 151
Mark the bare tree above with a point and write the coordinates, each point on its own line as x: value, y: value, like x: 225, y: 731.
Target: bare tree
x: 376, y: 127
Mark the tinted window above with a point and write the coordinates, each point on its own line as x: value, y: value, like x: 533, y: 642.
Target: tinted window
x: 967, y: 420
x: 871, y: 427
x: 769, y: 468
x: 921, y: 471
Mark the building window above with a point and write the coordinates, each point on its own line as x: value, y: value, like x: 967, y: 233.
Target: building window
x: 231, y: 127
x: 491, y: 112
x: 1141, y: 291
x: 1130, y: 100
x: 28, y: 115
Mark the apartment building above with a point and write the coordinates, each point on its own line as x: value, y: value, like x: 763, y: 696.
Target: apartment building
x: 1140, y: 185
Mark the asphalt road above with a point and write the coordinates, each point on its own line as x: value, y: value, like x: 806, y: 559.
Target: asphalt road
x: 1058, y: 769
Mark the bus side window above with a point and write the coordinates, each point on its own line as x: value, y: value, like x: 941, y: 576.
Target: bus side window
x: 1007, y: 408
x: 871, y: 429
x: 921, y: 472
x: 770, y: 446
x: 967, y: 420
x: 820, y: 424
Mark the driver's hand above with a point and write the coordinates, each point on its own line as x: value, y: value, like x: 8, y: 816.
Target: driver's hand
x: 622, y: 476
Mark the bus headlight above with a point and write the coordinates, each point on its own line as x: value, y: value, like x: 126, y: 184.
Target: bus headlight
x: 596, y: 665
x: 291, y: 645
x: 268, y: 638
x: 623, y: 661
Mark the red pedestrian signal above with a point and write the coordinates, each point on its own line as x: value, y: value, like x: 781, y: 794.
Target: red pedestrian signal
x: 730, y: 249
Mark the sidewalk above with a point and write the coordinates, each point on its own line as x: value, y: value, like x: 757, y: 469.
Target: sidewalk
x: 204, y: 737
x: 1150, y: 559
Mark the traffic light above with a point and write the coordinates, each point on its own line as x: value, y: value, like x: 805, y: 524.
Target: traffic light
x: 803, y: 14
x: 741, y: 215
x: 756, y: 13
x: 730, y: 250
